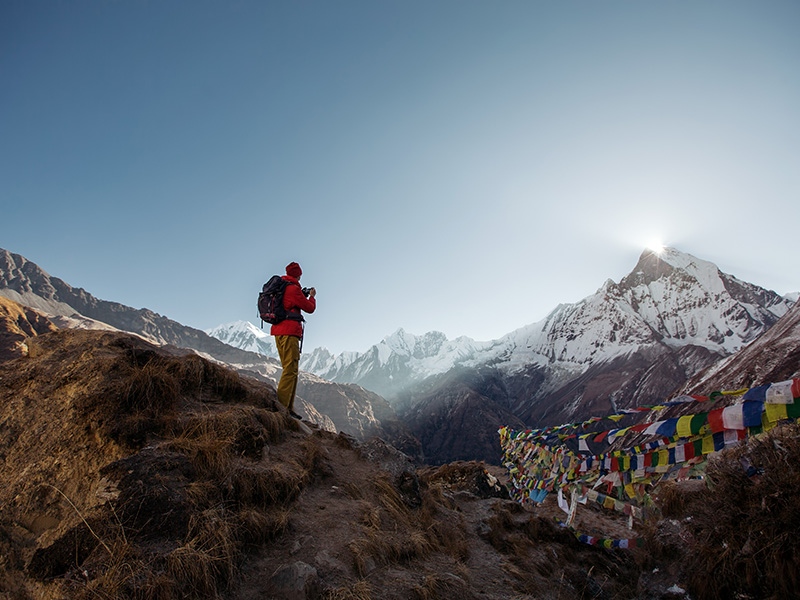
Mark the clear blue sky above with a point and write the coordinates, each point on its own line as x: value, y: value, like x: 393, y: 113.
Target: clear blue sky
x: 460, y: 165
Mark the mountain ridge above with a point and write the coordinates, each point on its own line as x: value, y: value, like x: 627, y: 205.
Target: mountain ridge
x: 26, y: 283
x: 721, y: 313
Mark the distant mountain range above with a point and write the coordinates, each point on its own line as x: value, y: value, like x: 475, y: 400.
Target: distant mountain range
x: 245, y: 335
x: 632, y: 342
x: 29, y: 285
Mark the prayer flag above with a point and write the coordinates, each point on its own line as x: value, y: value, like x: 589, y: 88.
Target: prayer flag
x: 733, y: 417
x: 759, y: 394
x: 684, y: 426
x: 751, y: 412
x: 780, y: 393
x: 652, y: 429
x: 689, y: 451
x: 682, y: 399
x: 776, y: 412
x: 715, y: 420
x: 793, y: 410
x: 667, y: 428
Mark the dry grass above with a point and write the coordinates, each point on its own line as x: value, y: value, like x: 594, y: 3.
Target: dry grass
x: 208, y: 560
x: 256, y: 527
x: 360, y: 590
x: 186, y: 443
x: 393, y: 532
x: 744, y: 535
x: 263, y: 484
x: 356, y: 492
x: 209, y: 452
x: 442, y: 587
x: 148, y: 387
x: 671, y: 500
x: 209, y: 380
x: 151, y: 389
x: 514, y: 531
x: 213, y: 440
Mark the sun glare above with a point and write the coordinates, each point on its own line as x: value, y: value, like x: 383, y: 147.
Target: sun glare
x: 656, y: 246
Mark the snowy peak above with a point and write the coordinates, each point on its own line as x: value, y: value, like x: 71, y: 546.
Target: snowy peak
x: 409, y: 345
x: 686, y: 300
x: 653, y: 266
x: 245, y: 335
x: 670, y: 300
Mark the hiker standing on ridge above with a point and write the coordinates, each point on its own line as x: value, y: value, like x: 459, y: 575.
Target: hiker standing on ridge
x: 289, y: 333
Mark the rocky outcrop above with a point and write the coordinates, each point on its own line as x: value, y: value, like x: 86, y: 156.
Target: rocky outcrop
x: 28, y: 284
x: 18, y: 324
x: 357, y: 412
x: 773, y: 357
x: 455, y: 421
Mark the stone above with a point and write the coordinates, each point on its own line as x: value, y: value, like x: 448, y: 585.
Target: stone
x: 297, y: 581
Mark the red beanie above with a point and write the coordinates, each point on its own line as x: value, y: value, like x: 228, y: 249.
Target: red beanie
x: 294, y: 270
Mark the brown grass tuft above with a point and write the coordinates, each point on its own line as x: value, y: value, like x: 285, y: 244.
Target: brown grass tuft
x: 262, y: 485
x: 360, y: 590
x: 255, y: 527
x: 150, y: 389
x: 394, y: 532
x: 442, y: 587
x: 209, y: 450
x: 353, y: 490
x: 213, y: 440
x: 207, y: 561
x: 743, y: 536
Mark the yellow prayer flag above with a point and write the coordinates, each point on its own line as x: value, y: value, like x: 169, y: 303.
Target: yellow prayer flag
x: 735, y: 392
x: 683, y: 428
x: 776, y: 412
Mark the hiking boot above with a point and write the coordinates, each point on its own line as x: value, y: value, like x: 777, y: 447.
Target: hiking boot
x: 295, y: 415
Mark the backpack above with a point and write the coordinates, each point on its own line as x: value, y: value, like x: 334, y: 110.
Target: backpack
x: 270, y: 302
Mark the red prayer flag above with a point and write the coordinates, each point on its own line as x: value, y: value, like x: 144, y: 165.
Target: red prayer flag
x: 715, y: 420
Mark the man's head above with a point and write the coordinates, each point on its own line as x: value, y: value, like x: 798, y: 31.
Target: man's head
x: 294, y: 270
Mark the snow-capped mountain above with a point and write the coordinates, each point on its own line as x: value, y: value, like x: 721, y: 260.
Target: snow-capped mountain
x: 633, y: 342
x: 773, y: 357
x: 245, y: 335
x: 397, y: 360
x: 671, y: 300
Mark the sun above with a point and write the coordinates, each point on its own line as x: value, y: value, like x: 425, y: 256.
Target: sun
x: 656, y: 246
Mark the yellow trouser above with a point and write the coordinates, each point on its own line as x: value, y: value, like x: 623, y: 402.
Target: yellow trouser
x: 289, y: 351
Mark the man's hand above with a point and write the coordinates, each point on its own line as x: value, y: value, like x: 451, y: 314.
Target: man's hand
x: 312, y: 292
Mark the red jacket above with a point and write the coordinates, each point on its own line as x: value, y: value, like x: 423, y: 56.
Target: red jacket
x: 293, y: 301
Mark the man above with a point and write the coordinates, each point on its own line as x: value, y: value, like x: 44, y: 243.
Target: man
x: 289, y: 333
